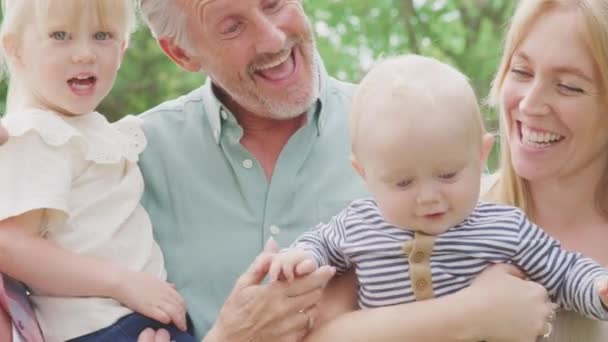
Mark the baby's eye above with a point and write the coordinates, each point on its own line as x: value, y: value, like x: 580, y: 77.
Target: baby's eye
x: 448, y: 175
x: 59, y: 35
x: 403, y: 183
x: 102, y: 35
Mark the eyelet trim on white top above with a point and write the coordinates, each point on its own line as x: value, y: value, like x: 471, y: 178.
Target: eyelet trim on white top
x: 100, y: 141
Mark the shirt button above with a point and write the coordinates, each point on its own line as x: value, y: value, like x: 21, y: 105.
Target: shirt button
x: 275, y: 230
x: 418, y: 257
x: 248, y: 163
x: 421, y: 284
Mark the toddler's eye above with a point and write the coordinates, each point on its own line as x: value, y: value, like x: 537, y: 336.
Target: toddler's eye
x: 102, y: 36
x: 59, y: 35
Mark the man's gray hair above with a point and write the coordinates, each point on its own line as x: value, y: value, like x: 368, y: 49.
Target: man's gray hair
x: 166, y: 20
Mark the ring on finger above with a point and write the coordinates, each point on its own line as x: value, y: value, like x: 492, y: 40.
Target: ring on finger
x: 549, y: 330
x: 310, y: 320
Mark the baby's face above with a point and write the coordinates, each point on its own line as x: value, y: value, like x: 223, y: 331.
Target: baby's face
x: 424, y: 178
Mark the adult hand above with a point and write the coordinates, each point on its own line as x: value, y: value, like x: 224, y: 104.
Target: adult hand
x: 509, y: 308
x: 3, y: 134
x: 277, y: 311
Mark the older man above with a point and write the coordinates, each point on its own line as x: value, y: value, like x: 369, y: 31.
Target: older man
x: 260, y: 151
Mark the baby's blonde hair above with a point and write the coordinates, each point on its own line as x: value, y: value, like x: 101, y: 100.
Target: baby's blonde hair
x: 510, y: 188
x: 119, y: 14
x: 399, y: 81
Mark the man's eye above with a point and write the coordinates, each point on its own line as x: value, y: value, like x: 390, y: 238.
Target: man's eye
x: 272, y: 5
x: 59, y: 35
x: 232, y: 28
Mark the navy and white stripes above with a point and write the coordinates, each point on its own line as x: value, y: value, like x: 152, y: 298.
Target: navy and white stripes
x: 359, y: 237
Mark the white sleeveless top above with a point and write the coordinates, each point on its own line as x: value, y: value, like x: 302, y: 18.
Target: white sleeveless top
x: 568, y: 326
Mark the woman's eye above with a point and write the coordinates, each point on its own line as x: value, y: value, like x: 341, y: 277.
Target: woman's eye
x: 59, y: 35
x: 520, y: 73
x: 570, y: 89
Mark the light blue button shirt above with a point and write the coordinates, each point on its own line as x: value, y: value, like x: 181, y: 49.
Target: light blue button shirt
x: 211, y: 205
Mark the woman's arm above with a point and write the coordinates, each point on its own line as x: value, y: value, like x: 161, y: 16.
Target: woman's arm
x: 497, y: 306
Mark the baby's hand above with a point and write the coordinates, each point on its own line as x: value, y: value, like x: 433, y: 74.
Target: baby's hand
x: 153, y: 298
x: 602, y: 288
x: 291, y: 263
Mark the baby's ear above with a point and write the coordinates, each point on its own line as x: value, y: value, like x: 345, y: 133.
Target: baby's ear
x: 10, y: 44
x: 357, y: 166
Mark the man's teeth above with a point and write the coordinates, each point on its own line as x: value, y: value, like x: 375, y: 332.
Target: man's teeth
x: 274, y: 63
x: 539, y: 138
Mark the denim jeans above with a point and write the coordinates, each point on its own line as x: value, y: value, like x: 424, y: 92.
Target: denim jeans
x: 128, y: 328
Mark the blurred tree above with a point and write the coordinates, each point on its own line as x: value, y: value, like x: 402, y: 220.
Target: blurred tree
x: 351, y: 36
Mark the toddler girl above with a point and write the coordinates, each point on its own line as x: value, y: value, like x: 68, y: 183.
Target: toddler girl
x: 71, y: 226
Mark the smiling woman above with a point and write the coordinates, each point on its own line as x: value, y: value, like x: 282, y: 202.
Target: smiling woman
x: 551, y: 90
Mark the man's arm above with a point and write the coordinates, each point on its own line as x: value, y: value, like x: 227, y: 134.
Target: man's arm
x: 476, y: 313
x: 268, y: 312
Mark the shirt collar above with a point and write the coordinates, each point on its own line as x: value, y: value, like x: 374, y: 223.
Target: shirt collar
x: 217, y: 113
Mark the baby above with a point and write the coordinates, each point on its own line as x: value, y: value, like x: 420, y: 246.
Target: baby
x: 419, y: 144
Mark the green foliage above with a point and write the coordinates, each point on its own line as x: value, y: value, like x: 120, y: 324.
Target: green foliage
x: 351, y: 36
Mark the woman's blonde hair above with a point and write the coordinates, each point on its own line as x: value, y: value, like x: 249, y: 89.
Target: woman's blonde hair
x: 510, y: 188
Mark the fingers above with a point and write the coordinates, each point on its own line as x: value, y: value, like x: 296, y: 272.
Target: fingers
x: 256, y: 272
x: 162, y: 335
x: 275, y: 270
x: 288, y: 271
x: 295, y: 324
x: 305, y: 267
x: 271, y: 246
x: 175, y: 312
x: 149, y: 335
x: 310, y: 282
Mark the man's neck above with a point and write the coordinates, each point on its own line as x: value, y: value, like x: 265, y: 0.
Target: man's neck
x: 263, y: 137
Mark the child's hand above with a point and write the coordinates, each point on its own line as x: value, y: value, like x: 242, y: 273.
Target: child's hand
x: 291, y: 263
x: 602, y: 287
x: 153, y: 298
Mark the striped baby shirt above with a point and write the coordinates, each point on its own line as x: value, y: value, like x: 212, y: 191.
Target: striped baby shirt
x: 360, y: 237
